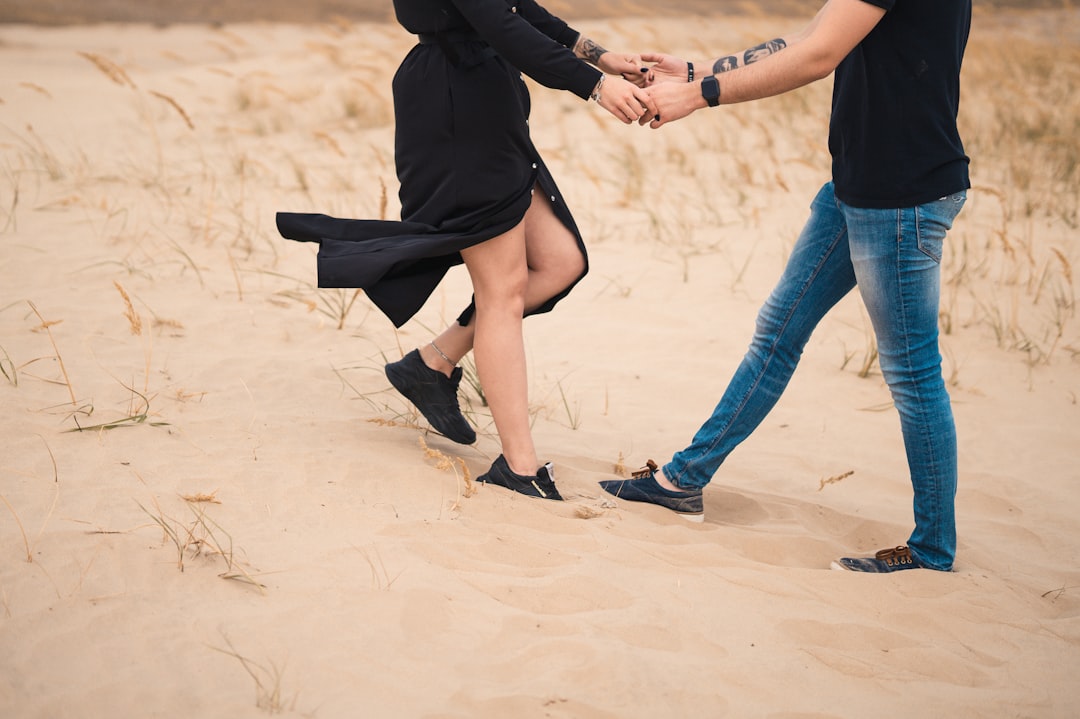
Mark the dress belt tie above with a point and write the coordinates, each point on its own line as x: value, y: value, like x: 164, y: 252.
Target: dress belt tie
x: 448, y: 36
x: 451, y: 40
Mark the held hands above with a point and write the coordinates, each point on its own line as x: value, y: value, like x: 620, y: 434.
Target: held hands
x: 673, y: 101
x: 669, y: 89
x: 655, y: 94
x: 626, y: 64
x: 626, y: 101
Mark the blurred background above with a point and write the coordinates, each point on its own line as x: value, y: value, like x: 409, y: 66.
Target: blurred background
x: 61, y: 12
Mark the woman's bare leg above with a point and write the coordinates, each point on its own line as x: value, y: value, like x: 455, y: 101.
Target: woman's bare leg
x: 500, y: 277
x: 554, y: 261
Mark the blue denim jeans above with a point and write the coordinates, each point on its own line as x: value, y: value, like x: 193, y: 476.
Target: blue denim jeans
x: 893, y: 257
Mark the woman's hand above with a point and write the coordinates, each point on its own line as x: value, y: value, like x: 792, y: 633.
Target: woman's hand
x: 625, y: 101
x: 628, y: 65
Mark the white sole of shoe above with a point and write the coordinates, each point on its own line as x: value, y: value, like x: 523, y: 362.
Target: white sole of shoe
x: 695, y: 518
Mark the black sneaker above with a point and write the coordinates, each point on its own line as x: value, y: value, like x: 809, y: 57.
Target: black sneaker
x: 642, y: 487
x: 542, y: 484
x: 887, y: 560
x: 434, y: 394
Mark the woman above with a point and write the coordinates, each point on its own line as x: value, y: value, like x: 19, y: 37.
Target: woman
x: 469, y: 177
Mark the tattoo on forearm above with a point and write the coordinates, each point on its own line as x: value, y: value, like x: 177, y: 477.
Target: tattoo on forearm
x: 589, y: 50
x: 762, y: 51
x: 758, y: 52
x: 723, y: 64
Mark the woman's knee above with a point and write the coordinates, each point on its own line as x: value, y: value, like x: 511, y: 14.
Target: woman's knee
x: 573, y: 265
x: 503, y: 290
x: 560, y: 271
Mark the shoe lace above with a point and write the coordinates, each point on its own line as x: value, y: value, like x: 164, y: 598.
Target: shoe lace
x: 648, y: 469
x: 895, y: 555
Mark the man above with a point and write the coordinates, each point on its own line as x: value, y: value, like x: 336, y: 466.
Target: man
x: 899, y: 177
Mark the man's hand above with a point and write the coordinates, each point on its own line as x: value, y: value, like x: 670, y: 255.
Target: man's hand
x: 667, y: 68
x: 672, y: 101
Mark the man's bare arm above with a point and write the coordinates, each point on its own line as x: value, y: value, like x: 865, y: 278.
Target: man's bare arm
x: 808, y: 56
x: 750, y: 55
x: 765, y: 49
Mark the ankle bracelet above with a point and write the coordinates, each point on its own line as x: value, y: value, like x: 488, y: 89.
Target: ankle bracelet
x: 443, y: 354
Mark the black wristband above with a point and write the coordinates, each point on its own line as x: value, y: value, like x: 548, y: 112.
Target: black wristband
x: 689, y: 72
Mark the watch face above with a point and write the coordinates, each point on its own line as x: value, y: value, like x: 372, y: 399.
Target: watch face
x: 710, y: 90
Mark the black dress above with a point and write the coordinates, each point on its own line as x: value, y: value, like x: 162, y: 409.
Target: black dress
x: 465, y: 163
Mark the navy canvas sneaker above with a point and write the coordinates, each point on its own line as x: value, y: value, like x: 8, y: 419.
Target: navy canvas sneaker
x: 541, y: 484
x: 642, y: 487
x: 893, y: 559
x: 434, y: 394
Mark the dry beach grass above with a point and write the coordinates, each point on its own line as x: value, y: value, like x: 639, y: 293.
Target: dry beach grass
x: 183, y: 406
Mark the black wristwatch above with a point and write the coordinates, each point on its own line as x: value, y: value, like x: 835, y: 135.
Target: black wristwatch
x: 710, y: 90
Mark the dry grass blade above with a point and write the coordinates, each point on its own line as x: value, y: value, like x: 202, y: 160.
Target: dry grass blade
x: 330, y: 142
x: 10, y: 224
x: 45, y: 325
x: 27, y: 544
x: 36, y: 88
x: 267, y: 681
x: 201, y: 498
x: 170, y: 532
x: 176, y: 106
x: 129, y: 311
x: 22, y: 530
x: 620, y: 466
x: 1056, y: 592
x: 52, y: 458
x: 236, y: 276
x: 111, y: 70
x: 835, y: 479
x: 454, y: 464
x: 122, y: 422
x: 1066, y: 267
x: 44, y: 155
x: 380, y: 577
x: 345, y: 307
x: 6, y: 366
x: 202, y: 535
x: 573, y: 416
x: 472, y: 378
x: 394, y: 423
x: 135, y: 418
x: 233, y: 569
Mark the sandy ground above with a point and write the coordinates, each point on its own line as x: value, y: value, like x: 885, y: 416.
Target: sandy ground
x: 253, y: 522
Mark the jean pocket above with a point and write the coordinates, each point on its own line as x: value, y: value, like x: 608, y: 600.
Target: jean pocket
x: 933, y: 220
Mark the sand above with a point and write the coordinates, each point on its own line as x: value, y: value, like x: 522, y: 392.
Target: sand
x: 252, y: 522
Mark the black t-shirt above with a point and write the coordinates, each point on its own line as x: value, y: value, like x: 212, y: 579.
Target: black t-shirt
x: 893, y: 133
